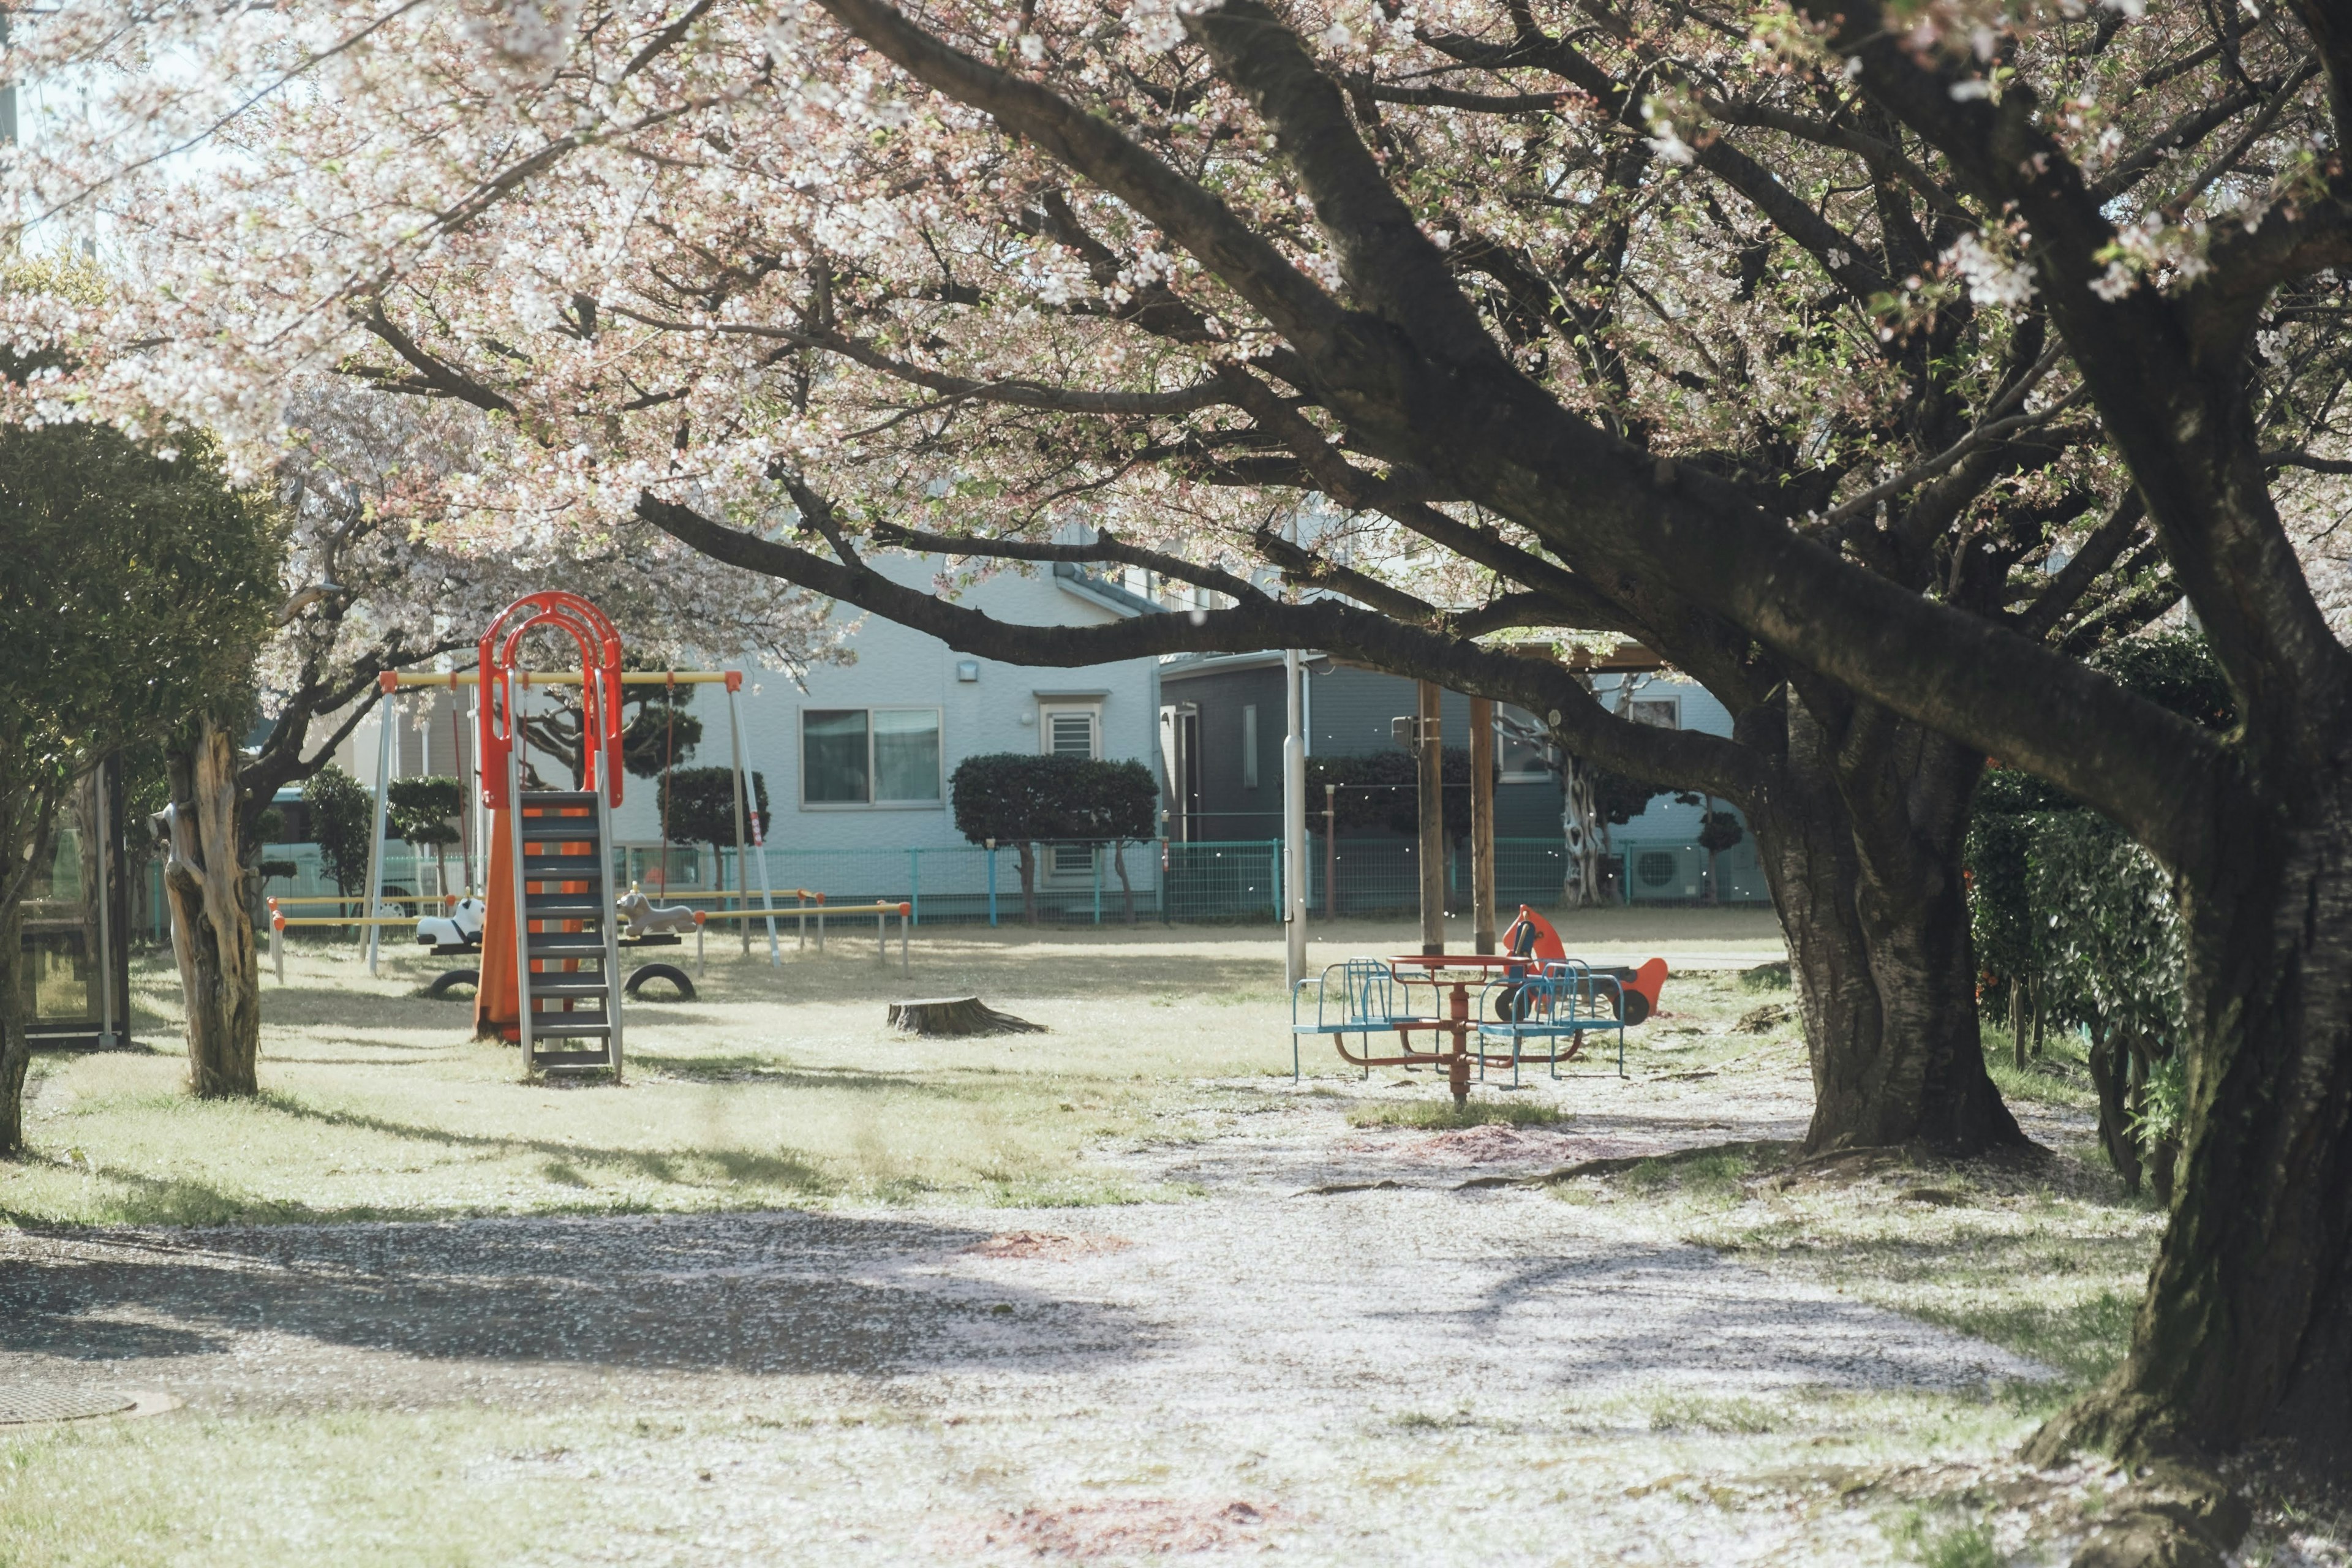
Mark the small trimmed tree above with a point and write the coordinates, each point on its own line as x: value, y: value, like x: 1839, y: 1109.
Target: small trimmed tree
x: 1717, y: 831
x: 424, y: 811
x: 1016, y: 798
x: 1116, y: 802
x: 339, y: 808
x: 1381, y: 791
x: 698, y: 803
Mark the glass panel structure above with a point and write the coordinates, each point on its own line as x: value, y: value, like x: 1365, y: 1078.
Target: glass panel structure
x: 905, y: 754
x: 834, y: 756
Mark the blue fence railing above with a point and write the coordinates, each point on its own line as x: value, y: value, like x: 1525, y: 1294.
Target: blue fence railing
x: 1170, y: 881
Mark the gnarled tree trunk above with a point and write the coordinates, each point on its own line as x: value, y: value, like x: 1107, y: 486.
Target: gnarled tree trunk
x: 2246, y: 1332
x: 212, y: 922
x: 1861, y: 845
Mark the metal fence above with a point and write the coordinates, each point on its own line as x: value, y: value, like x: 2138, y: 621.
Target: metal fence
x: 1230, y: 882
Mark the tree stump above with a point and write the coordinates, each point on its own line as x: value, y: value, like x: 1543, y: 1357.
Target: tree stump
x: 957, y: 1015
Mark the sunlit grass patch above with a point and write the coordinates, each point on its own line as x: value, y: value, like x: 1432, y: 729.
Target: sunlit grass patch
x: 2059, y: 1075
x: 1700, y: 1413
x: 1950, y: 1543
x: 1444, y: 1113
x: 776, y: 1088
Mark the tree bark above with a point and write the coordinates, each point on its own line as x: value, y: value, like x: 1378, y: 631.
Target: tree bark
x: 205, y: 879
x: 2111, y: 1065
x: 956, y: 1016
x: 15, y: 1046
x: 1028, y: 882
x: 2246, y: 1332
x: 1862, y: 845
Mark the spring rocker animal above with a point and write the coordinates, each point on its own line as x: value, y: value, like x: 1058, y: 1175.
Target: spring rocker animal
x: 1533, y: 937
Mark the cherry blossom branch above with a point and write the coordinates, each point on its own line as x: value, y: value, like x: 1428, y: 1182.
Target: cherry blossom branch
x: 1197, y: 220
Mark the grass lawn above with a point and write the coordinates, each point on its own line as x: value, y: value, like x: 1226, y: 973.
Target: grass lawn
x: 1144, y: 1180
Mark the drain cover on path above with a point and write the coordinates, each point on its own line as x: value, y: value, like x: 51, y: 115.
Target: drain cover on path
x: 20, y: 1404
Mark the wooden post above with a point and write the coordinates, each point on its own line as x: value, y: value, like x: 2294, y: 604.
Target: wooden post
x: 1430, y: 780
x: 1482, y: 822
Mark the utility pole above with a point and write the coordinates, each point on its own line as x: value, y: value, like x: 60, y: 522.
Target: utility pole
x: 1431, y: 779
x: 1482, y: 822
x: 1294, y: 821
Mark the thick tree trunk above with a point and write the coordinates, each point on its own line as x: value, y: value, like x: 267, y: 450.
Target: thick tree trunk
x: 15, y: 1047
x: 1862, y: 849
x: 212, y: 921
x: 2246, y: 1332
x: 2111, y: 1072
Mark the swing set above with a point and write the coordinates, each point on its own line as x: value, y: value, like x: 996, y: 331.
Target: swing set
x: 553, y: 872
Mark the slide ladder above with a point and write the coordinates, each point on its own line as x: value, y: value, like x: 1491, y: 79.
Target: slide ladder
x: 571, y: 987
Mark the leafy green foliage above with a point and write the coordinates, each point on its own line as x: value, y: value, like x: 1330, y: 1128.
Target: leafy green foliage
x: 134, y: 591
x: 1618, y: 798
x: 1719, y: 831
x: 1015, y: 798
x: 658, y: 729
x: 699, y: 805
x: 2174, y: 670
x: 424, y: 810
x: 341, y: 812
x: 2165, y: 1106
x: 2063, y: 900
x: 1381, y: 791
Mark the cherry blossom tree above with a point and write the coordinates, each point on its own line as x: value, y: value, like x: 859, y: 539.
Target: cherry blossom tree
x: 1873, y: 365
x: 369, y: 586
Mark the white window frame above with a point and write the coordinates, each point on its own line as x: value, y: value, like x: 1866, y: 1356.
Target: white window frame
x: 800, y: 759
x: 1540, y: 772
x: 1048, y: 710
x: 1672, y: 704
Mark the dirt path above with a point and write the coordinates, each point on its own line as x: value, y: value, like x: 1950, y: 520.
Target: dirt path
x: 1411, y: 1373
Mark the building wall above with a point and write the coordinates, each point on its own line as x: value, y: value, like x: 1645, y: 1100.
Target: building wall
x: 1349, y: 710
x: 891, y: 666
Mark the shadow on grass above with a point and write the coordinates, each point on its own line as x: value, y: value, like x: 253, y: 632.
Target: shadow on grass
x: 767, y: 1070
x: 1979, y: 1282
x: 769, y: 1293
x: 786, y: 1172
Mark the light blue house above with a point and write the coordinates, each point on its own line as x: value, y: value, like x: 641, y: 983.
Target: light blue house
x: 857, y: 763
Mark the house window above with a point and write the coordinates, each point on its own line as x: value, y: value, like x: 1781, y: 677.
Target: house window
x: 1665, y: 713
x: 1522, y: 748
x: 1249, y: 746
x: 1071, y: 731
x: 870, y: 756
